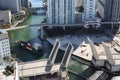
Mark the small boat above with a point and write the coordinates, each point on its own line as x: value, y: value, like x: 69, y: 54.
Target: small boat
x: 36, y: 48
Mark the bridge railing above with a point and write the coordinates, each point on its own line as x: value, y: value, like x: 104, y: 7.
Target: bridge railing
x: 32, y: 61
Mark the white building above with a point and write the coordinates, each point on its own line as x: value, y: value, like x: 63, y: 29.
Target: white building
x: 89, y: 10
x: 60, y: 11
x: 4, y: 47
x: 5, y: 17
x: 13, y: 5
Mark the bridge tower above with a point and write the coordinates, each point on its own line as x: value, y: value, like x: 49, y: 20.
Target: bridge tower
x: 41, y: 32
x: 65, y: 61
x: 108, y: 54
x: 54, y: 52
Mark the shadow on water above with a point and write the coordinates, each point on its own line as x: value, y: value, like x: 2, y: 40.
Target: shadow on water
x: 47, y: 49
x: 99, y: 33
x: 25, y: 55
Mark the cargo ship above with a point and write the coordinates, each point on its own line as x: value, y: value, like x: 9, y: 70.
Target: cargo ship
x: 35, y: 48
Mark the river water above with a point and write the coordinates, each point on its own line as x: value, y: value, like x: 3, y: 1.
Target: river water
x: 29, y: 33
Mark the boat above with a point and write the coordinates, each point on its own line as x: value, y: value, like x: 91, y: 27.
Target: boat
x: 36, y: 47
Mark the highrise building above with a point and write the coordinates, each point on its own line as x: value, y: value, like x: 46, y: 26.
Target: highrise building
x: 13, y: 5
x: 4, y: 47
x: 100, y: 8
x: 60, y: 11
x: 112, y: 10
x: 78, y: 3
x: 89, y: 10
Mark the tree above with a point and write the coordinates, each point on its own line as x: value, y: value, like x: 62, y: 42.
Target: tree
x: 27, y: 12
x: 7, y: 58
x: 9, y: 70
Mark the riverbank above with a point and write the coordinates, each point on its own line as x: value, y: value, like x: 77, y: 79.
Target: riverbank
x: 14, y: 27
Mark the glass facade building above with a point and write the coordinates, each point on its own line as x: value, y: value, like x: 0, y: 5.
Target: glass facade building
x: 60, y: 11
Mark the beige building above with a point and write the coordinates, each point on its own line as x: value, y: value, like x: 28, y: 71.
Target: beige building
x: 5, y: 17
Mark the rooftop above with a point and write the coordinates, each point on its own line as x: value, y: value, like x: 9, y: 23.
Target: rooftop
x: 83, y: 51
x: 100, y: 49
x: 112, y: 45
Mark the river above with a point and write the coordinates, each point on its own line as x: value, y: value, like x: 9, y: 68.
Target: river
x: 29, y: 33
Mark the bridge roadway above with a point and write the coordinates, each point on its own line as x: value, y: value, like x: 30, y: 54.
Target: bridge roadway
x: 38, y: 8
x: 46, y: 66
x: 34, y: 64
x: 35, y: 9
x: 80, y: 24
x: 38, y: 67
x: 76, y: 24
